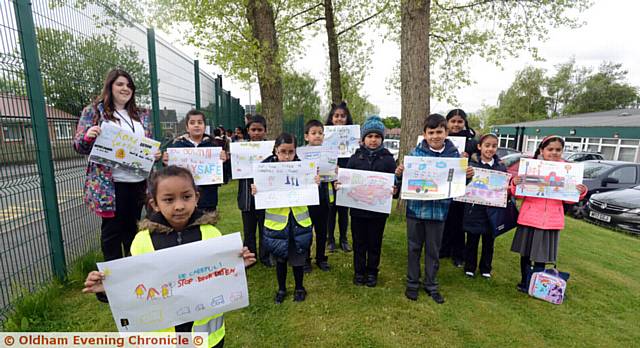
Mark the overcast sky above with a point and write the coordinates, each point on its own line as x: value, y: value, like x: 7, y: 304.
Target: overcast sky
x: 610, y: 33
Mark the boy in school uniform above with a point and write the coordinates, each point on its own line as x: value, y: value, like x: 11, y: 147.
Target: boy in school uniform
x: 425, y: 219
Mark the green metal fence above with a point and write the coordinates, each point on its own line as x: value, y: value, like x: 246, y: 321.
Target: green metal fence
x: 53, y: 59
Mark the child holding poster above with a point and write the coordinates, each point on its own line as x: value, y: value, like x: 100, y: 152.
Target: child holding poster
x: 540, y: 220
x: 367, y: 227
x: 195, y: 137
x: 425, y: 219
x: 476, y: 217
x: 173, y: 195
x: 287, y: 231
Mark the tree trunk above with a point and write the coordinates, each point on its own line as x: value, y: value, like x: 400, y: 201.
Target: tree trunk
x: 334, y: 56
x: 268, y: 64
x: 414, y: 72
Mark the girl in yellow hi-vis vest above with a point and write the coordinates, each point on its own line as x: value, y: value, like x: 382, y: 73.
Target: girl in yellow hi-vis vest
x: 175, y: 221
x: 287, y: 231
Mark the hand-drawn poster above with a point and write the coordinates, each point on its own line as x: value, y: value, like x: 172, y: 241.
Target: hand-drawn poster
x: 176, y: 285
x: 285, y: 184
x: 554, y: 180
x: 459, y: 142
x: 325, y: 158
x: 345, y: 138
x: 365, y: 190
x: 488, y: 187
x: 203, y: 162
x: 245, y: 154
x: 430, y: 178
x: 120, y: 148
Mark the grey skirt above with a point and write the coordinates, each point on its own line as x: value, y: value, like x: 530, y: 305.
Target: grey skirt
x: 539, y: 245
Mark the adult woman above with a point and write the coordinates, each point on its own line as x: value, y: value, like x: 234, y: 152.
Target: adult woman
x: 339, y: 115
x: 114, y: 194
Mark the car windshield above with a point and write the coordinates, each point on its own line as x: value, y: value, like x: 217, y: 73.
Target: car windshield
x: 594, y: 169
x: 394, y: 145
x: 511, y: 159
x: 567, y: 155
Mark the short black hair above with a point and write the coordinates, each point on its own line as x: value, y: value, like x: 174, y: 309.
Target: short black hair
x: 257, y: 119
x: 434, y: 121
x: 195, y: 112
x: 167, y: 172
x: 284, y: 138
x: 312, y: 123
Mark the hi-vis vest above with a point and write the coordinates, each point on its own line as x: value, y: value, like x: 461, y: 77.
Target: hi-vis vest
x: 331, y: 196
x: 276, y: 218
x: 213, y: 325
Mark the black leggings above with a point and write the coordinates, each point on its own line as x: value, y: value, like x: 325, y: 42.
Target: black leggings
x: 118, y: 232
x: 525, y: 268
x: 281, y: 273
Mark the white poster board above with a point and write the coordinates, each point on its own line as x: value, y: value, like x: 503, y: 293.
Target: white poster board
x: 119, y: 148
x: 430, y: 178
x: 365, y: 190
x: 176, y: 285
x: 285, y: 184
x: 487, y: 187
x: 245, y: 154
x: 345, y: 138
x: 204, y: 163
x: 459, y: 142
x: 548, y: 179
x: 325, y: 158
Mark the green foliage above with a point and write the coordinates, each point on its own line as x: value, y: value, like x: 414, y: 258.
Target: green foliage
x: 300, y: 96
x: 391, y: 122
x: 525, y: 100
x: 358, y: 104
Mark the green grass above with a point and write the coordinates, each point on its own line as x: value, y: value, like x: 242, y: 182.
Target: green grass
x: 601, y: 308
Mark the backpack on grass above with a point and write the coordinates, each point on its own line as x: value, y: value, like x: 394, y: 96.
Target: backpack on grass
x: 548, y: 285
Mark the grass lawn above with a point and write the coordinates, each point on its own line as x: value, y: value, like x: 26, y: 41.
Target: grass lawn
x: 601, y: 308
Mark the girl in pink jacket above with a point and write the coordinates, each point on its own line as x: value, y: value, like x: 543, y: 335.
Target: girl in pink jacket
x: 541, y: 219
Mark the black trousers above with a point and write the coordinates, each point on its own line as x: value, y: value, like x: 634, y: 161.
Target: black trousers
x: 117, y: 233
x: 343, y: 222
x: 427, y: 233
x: 471, y: 252
x: 250, y: 221
x: 319, y: 216
x: 367, y: 244
x: 453, y: 235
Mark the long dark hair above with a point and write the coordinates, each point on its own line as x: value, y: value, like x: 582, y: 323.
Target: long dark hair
x: 285, y: 138
x: 106, y: 97
x: 334, y: 107
x: 545, y: 142
x: 463, y: 115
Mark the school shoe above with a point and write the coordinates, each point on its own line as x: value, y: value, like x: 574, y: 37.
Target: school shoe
x: 280, y: 295
x: 486, y: 275
x: 411, y: 294
x: 331, y: 246
x: 102, y: 297
x: 358, y: 279
x: 372, y: 280
x: 307, y: 267
x: 522, y: 288
x: 299, y: 295
x: 469, y: 274
x: 436, y: 296
x: 458, y: 263
x: 323, y: 265
x: 345, y: 247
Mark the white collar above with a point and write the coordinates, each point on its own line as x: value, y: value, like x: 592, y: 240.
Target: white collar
x: 490, y: 163
x: 438, y: 151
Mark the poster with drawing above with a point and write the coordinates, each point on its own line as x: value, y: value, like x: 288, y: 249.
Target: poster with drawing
x: 487, y: 187
x: 365, y: 190
x: 120, y: 148
x: 547, y: 179
x: 325, y: 158
x: 345, y: 138
x: 458, y: 142
x: 204, y: 163
x: 430, y: 178
x: 176, y: 285
x: 285, y: 184
x: 245, y: 154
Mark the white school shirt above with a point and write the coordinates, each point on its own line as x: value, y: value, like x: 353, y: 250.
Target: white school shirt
x: 126, y: 122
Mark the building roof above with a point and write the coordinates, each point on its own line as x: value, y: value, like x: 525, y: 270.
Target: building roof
x: 18, y: 106
x: 168, y: 115
x: 611, y: 118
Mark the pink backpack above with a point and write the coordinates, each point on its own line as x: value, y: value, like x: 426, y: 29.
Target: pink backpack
x: 548, y: 286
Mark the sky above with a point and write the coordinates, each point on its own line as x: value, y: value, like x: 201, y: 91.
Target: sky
x: 610, y: 34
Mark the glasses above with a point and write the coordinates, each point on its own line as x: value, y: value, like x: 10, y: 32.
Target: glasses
x: 287, y: 153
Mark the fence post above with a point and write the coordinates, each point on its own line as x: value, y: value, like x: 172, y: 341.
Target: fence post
x: 218, y: 97
x: 153, y: 75
x: 29, y: 49
x: 196, y: 75
x: 228, y: 103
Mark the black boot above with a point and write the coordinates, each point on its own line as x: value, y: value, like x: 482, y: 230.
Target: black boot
x: 345, y: 246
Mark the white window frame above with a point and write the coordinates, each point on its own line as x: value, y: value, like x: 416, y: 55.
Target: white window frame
x: 63, y: 131
x: 5, y: 132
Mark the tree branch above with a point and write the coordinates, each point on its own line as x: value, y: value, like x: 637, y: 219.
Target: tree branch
x: 363, y: 20
x: 306, y: 24
x: 305, y: 11
x: 473, y: 4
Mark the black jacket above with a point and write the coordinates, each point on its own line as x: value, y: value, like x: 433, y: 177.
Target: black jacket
x: 380, y: 160
x: 471, y: 145
x: 476, y: 216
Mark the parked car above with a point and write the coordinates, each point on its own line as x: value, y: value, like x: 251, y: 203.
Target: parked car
x: 619, y: 208
x: 505, y: 151
x: 512, y: 162
x: 581, y: 156
x: 393, y: 145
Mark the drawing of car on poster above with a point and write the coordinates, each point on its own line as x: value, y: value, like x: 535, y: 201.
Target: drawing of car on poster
x: 369, y: 194
x: 422, y: 185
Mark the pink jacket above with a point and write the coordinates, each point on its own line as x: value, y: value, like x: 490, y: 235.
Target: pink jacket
x: 543, y: 213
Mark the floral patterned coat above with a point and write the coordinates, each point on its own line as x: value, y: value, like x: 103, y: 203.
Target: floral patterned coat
x: 99, y: 191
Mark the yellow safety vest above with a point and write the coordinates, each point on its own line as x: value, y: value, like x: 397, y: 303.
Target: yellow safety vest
x: 213, y: 325
x: 331, y: 195
x: 276, y: 218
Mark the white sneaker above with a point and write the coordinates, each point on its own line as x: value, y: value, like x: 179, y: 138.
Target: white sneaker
x: 486, y: 275
x: 469, y: 274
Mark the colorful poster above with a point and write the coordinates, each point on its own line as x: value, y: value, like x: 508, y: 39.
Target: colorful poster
x: 285, y: 184
x: 203, y: 162
x: 488, y: 187
x: 554, y: 180
x: 459, y: 142
x: 176, y: 285
x: 345, y: 138
x: 325, y: 158
x: 430, y: 178
x: 120, y: 148
x: 245, y: 154
x: 365, y: 190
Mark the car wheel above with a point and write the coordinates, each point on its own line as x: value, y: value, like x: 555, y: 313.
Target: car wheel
x: 579, y: 210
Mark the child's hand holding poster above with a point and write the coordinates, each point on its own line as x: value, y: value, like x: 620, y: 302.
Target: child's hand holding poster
x: 204, y: 163
x: 488, y: 187
x: 325, y: 158
x: 176, y: 285
x: 548, y: 179
x: 345, y: 138
x: 365, y: 190
x: 245, y: 154
x: 430, y: 178
x: 120, y: 148
x: 285, y: 184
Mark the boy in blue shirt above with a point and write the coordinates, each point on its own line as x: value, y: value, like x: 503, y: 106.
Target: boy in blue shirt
x: 425, y: 219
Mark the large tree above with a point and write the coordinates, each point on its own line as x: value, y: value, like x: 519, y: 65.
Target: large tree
x: 300, y: 96
x: 525, y: 99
